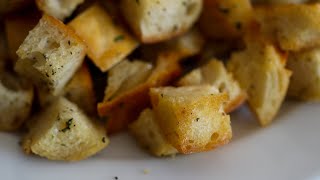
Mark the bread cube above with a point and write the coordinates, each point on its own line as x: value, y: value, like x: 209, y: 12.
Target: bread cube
x: 191, y: 118
x: 63, y: 132
x: 292, y: 26
x: 215, y: 74
x: 159, y: 20
x: 50, y: 55
x: 305, y: 80
x: 149, y: 136
x: 225, y: 19
x: 125, y: 108
x: 260, y: 70
x: 16, y: 101
x: 108, y: 43
x: 125, y: 76
x: 186, y: 45
x: 80, y: 91
x: 59, y: 9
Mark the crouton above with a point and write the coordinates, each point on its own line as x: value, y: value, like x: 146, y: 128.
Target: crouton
x: 16, y: 101
x: 155, y: 21
x: 214, y: 73
x: 305, y: 80
x: 50, y: 55
x: 59, y: 9
x: 125, y: 76
x: 191, y: 118
x: 126, y: 107
x: 225, y: 19
x: 108, y: 43
x: 17, y: 27
x: 292, y: 26
x: 260, y: 70
x: 63, y: 132
x: 186, y: 45
x: 80, y: 91
x: 147, y: 133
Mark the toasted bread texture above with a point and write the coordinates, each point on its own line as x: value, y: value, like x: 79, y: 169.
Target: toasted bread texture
x: 125, y: 76
x: 260, y: 70
x: 59, y: 9
x: 292, y: 26
x: 305, y: 80
x: 155, y: 21
x: 50, y: 55
x: 214, y: 73
x: 63, y: 132
x: 16, y: 101
x: 225, y: 19
x: 80, y: 91
x: 191, y: 118
x: 108, y: 43
x: 126, y: 107
x: 149, y: 136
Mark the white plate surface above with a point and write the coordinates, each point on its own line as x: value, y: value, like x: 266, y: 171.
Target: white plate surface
x: 288, y: 149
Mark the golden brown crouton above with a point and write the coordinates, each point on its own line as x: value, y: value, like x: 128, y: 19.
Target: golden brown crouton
x: 260, y: 70
x: 63, y: 132
x: 149, y: 136
x: 214, y: 73
x: 155, y: 21
x: 305, y: 80
x: 126, y: 107
x: 108, y: 43
x: 191, y: 118
x: 224, y: 19
x: 59, y: 9
x: 292, y: 26
x: 50, y: 55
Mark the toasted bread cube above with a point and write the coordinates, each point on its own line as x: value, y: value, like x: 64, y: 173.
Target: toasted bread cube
x: 292, y: 26
x: 80, y: 91
x: 63, y: 132
x: 191, y: 118
x: 17, y: 28
x: 305, y: 80
x: 149, y: 136
x: 186, y: 45
x: 126, y: 107
x: 16, y: 101
x: 214, y: 73
x: 225, y: 19
x: 59, y: 9
x: 260, y: 70
x: 108, y: 43
x: 159, y: 20
x: 125, y: 76
x: 50, y: 55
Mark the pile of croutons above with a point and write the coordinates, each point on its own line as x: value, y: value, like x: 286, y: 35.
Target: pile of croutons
x: 74, y: 71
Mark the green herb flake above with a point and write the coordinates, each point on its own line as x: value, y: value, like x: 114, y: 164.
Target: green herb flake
x: 197, y: 119
x: 118, y: 38
x: 104, y: 140
x: 68, y: 124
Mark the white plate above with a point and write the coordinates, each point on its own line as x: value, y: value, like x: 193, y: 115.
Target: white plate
x: 288, y: 149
